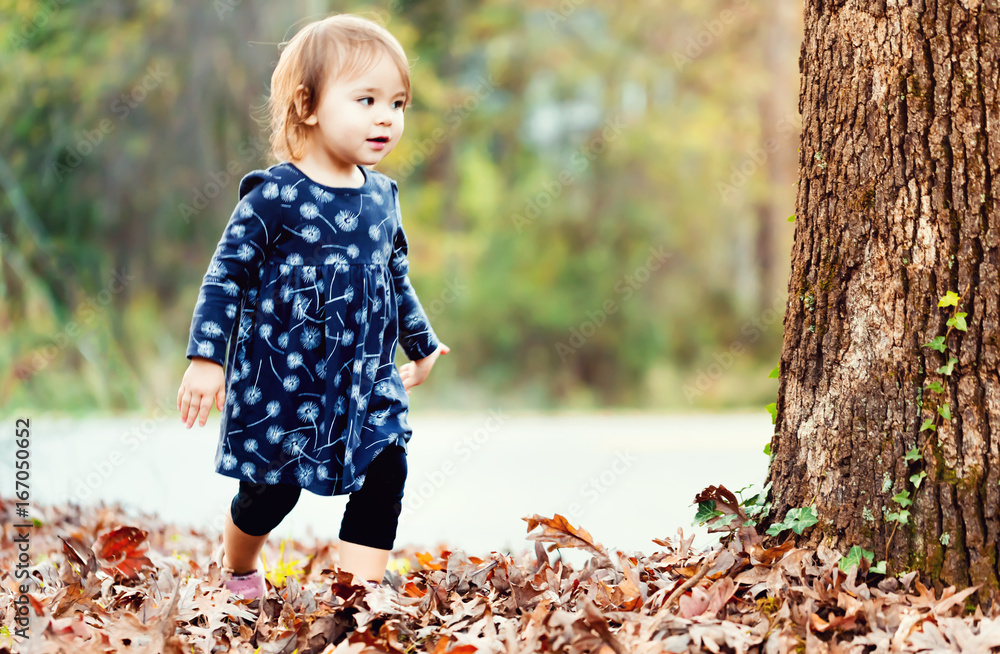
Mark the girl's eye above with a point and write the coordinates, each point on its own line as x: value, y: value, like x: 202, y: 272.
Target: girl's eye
x: 399, y: 104
x: 363, y: 99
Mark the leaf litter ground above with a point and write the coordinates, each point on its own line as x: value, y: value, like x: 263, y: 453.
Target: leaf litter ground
x: 105, y: 581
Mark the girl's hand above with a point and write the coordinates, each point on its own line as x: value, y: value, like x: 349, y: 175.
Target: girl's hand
x: 415, y: 372
x: 204, y: 381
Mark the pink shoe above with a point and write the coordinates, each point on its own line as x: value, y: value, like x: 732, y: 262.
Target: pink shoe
x: 248, y: 585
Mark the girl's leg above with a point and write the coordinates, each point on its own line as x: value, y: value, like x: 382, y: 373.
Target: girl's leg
x: 255, y: 511
x: 368, y: 530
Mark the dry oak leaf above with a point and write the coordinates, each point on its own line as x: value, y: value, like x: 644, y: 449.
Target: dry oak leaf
x: 123, y: 549
x: 561, y: 533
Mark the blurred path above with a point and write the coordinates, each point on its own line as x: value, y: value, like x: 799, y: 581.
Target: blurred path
x: 625, y: 477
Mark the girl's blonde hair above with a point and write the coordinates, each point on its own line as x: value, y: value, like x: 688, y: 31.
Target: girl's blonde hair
x: 340, y: 45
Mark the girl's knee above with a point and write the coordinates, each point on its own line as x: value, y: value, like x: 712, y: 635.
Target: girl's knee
x: 258, y: 508
x: 387, y: 472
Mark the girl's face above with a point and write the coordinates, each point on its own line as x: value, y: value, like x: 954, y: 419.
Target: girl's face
x: 359, y: 121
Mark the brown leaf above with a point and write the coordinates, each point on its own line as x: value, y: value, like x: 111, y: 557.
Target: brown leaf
x: 123, y: 550
x: 949, y: 600
x: 725, y: 502
x: 561, y: 533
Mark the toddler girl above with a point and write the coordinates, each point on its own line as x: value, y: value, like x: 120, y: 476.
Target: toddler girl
x: 309, y: 281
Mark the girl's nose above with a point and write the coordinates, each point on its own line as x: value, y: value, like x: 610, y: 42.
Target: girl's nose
x: 385, y: 116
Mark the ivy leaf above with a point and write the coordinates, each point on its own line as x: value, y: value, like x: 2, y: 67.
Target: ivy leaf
x: 945, y: 411
x: 948, y: 367
x: 949, y: 299
x: 802, y: 519
x: 913, y: 455
x: 798, y: 520
x: 791, y: 218
x: 936, y: 344
x: 706, y: 511
x: 902, y: 498
x: 854, y: 558
x: 935, y: 387
x: 918, y: 478
x: 928, y: 424
x: 878, y: 568
x: 775, y: 372
x: 958, y: 321
x: 725, y: 520
x: 772, y: 408
x: 767, y: 449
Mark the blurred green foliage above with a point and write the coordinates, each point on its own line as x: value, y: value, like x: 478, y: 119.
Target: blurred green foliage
x: 590, y: 218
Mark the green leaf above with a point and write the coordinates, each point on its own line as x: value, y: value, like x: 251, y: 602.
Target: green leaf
x: 776, y: 529
x: 772, y: 408
x: 706, y: 511
x: 878, y: 568
x: 948, y: 367
x: 936, y: 344
x: 791, y: 218
x: 913, y: 455
x: 774, y: 373
x: 854, y: 557
x: 918, y: 478
x: 798, y: 520
x: 949, y: 299
x: 801, y: 519
x: 945, y: 411
x: 767, y: 449
x: 935, y: 387
x: 928, y: 424
x: 902, y: 498
x: 958, y: 322
x: 724, y: 520
x: 902, y: 517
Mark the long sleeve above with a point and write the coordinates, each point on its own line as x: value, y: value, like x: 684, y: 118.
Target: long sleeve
x: 416, y: 336
x: 235, y: 267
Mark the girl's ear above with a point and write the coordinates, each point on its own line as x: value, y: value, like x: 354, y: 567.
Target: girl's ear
x: 301, y: 100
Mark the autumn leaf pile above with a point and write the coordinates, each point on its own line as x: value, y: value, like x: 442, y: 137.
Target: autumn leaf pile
x: 104, y: 581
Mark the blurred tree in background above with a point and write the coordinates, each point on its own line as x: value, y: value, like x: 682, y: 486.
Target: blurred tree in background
x: 595, y: 193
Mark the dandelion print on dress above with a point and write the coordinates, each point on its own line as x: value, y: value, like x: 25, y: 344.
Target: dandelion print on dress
x: 309, y: 289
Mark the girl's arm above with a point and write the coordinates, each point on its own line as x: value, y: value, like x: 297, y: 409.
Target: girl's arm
x: 235, y: 267
x: 416, y: 336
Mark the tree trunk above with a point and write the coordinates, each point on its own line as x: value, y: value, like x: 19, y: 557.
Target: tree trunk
x: 896, y: 206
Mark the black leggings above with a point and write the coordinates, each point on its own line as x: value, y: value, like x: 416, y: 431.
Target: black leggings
x: 371, y: 515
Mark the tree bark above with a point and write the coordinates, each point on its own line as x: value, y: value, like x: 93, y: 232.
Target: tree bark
x: 896, y: 206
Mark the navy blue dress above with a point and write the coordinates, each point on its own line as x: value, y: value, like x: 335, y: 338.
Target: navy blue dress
x: 309, y: 287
